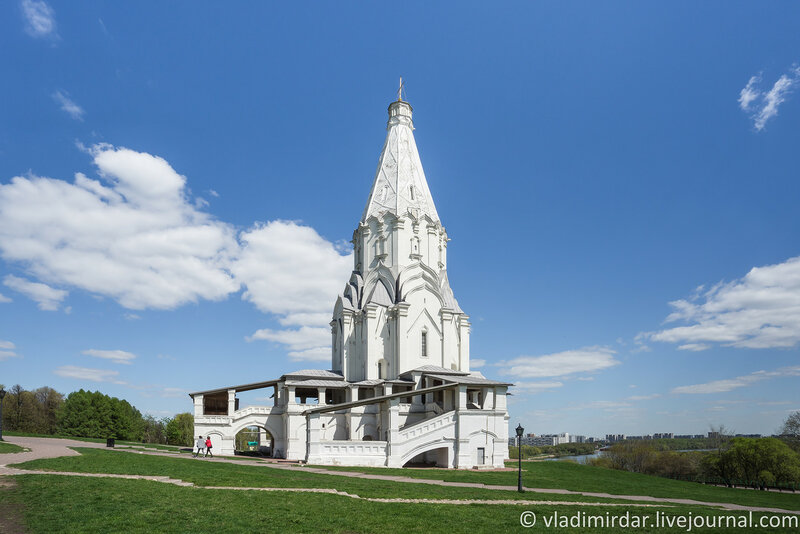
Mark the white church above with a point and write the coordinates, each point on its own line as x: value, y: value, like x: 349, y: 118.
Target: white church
x: 399, y: 390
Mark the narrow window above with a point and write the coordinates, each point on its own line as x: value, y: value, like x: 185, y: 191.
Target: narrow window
x: 424, y: 344
x: 412, y: 192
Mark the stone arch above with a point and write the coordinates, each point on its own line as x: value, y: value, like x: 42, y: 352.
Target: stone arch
x: 273, y: 438
x: 427, y: 447
x: 276, y: 433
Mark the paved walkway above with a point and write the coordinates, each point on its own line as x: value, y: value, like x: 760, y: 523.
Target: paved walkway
x: 52, y: 448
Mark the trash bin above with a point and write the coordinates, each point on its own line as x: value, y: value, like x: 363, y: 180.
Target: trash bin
x: 110, y: 442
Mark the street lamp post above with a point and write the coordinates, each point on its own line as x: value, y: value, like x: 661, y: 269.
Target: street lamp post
x: 2, y: 394
x: 520, y: 431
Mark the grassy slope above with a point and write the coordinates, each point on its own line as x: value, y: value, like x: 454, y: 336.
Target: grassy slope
x: 564, y: 475
x: 9, y: 447
x: 206, y: 473
x: 576, y: 477
x: 65, y: 504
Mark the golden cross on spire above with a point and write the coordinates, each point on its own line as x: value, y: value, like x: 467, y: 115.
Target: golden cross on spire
x: 400, y: 90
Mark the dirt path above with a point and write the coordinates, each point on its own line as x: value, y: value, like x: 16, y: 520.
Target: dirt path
x: 51, y: 448
x: 10, y: 512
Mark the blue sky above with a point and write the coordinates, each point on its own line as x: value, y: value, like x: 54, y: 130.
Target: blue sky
x: 178, y: 184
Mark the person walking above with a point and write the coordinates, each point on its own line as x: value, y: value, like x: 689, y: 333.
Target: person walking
x: 199, y: 445
x: 208, y: 446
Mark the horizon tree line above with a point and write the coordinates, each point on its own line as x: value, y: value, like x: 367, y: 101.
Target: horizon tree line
x: 89, y: 414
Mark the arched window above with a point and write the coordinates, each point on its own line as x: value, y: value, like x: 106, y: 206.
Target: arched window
x: 424, y: 344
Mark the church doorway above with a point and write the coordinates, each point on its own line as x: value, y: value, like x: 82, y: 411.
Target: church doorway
x: 254, y: 441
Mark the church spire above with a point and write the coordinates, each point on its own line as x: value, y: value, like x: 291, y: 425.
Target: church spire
x: 400, y: 186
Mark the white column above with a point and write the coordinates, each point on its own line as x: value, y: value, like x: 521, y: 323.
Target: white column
x: 394, y: 451
x: 401, y: 320
x: 463, y: 343
x: 371, y: 353
x: 198, y: 405
x: 231, y: 401
x: 314, y: 434
x: 448, y: 343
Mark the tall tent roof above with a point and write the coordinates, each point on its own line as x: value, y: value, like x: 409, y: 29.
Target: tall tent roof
x: 400, y: 186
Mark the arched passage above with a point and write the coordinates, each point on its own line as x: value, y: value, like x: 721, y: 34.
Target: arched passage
x: 254, y: 440
x: 433, y: 456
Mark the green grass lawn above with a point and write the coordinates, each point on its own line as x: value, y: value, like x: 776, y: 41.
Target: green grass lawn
x: 578, y: 477
x: 52, y: 503
x: 207, y: 473
x: 6, y: 447
x: 72, y: 504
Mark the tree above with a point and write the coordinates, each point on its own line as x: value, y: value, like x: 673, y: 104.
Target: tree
x: 790, y: 431
x: 756, y: 461
x: 180, y: 429
x: 791, y: 427
x: 95, y: 415
x: 48, y: 402
x: 154, y: 430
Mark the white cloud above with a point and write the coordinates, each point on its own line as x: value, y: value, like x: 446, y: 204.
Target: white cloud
x: 83, y: 373
x: 6, y: 354
x: 767, y: 103
x: 722, y: 386
x: 132, y: 317
x: 317, y: 354
x: 40, y: 18
x: 136, y: 236
x: 760, y: 310
x: 7, y: 350
x: 47, y: 297
x: 4, y: 299
x: 291, y: 271
x: 68, y: 105
x: 644, y: 397
x: 585, y: 360
x: 305, y: 343
x: 476, y: 363
x: 116, y: 356
x: 133, y: 236
x: 606, y: 406
x: 536, y: 387
x: 695, y: 347
x: 749, y: 93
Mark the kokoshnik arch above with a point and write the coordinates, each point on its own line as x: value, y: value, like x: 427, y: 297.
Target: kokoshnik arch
x: 400, y: 389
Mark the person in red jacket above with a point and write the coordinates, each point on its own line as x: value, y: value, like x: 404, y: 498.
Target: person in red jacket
x: 208, y: 446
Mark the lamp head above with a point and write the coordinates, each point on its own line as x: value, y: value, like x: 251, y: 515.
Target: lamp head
x: 520, y: 430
